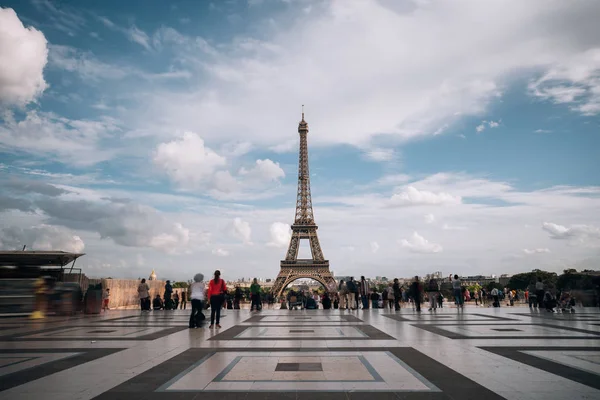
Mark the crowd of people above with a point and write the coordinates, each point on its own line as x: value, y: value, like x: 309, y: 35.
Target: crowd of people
x: 350, y: 295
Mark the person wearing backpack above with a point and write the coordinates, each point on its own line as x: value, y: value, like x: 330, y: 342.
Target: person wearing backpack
x: 432, y: 293
x: 197, y: 294
x: 216, y: 295
x: 397, y: 294
x: 364, y: 292
x: 343, y: 295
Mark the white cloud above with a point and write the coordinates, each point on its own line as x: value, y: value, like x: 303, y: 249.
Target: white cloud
x: 429, y: 219
x: 491, y: 124
x: 380, y: 154
x: 542, y: 131
x: 23, y: 56
x: 187, y: 161
x: 412, y: 196
x: 374, y: 247
x: 536, y: 251
x: 577, y: 233
x: 574, y: 81
x: 242, y: 231
x: 263, y: 171
x: 405, y: 99
x: 448, y: 227
x: 220, y: 252
x: 48, y: 134
x: 138, y: 36
x: 280, y: 234
x: 41, y: 237
x: 418, y: 244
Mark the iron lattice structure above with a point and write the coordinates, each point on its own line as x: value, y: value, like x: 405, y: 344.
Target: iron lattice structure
x: 304, y: 228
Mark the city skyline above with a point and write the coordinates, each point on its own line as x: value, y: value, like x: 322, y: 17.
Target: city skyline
x: 459, y: 138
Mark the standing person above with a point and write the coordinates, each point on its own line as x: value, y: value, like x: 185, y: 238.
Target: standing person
x: 176, y: 301
x: 343, y: 295
x: 496, y: 297
x: 415, y: 291
x: 353, y: 290
x: 364, y: 292
x: 197, y: 293
x: 144, y: 294
x: 397, y: 294
x: 456, y: 290
x: 237, y: 297
x: 216, y: 295
x: 105, y: 299
x: 432, y: 292
x: 184, y: 295
x: 168, y: 294
x: 255, y: 295
x: 390, y: 295
x: 539, y: 292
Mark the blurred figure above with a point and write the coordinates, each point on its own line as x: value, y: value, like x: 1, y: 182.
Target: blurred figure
x: 198, y: 298
x: 216, y: 296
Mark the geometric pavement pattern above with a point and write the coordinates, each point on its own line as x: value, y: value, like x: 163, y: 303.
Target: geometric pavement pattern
x: 479, y: 353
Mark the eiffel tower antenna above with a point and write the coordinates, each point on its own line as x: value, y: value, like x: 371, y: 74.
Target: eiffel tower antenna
x: 304, y: 228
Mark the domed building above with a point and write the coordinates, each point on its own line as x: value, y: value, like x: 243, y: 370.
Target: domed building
x: 152, y: 276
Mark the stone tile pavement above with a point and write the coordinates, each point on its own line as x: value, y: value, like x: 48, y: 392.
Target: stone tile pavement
x: 478, y: 353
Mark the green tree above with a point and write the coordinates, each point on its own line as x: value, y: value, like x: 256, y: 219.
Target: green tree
x: 523, y: 280
x: 571, y: 279
x: 490, y: 286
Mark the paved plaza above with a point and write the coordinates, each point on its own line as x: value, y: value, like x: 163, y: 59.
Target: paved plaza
x: 479, y: 353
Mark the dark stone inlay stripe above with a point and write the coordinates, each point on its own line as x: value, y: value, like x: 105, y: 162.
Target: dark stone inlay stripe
x: 370, y: 332
x: 302, y: 331
x: 434, y: 317
x: 454, y: 335
x: 21, y: 336
x: 299, y: 367
x: 574, y: 374
x: 102, y: 331
x: 453, y: 384
x: 30, y: 374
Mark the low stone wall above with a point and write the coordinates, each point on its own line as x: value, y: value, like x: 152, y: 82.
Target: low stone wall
x: 124, y: 294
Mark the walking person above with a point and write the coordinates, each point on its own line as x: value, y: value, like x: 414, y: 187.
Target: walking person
x: 168, y: 294
x: 415, y: 291
x: 397, y: 294
x: 364, y: 292
x: 144, y: 295
x: 105, y: 299
x: 457, y: 292
x: 198, y: 297
x: 255, y: 295
x: 343, y: 295
x: 432, y: 292
x: 216, y: 296
x: 184, y: 295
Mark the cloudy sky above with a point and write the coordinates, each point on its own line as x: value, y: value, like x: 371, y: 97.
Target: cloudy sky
x: 454, y: 136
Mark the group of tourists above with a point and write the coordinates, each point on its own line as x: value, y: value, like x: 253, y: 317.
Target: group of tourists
x: 198, y: 291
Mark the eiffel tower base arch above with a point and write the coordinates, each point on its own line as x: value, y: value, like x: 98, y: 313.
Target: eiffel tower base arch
x: 289, y: 273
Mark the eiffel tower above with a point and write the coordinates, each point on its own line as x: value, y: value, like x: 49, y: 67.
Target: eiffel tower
x: 304, y: 227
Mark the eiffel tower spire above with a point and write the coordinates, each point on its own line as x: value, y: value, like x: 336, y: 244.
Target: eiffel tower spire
x: 304, y: 228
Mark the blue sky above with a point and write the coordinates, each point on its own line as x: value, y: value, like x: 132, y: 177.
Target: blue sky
x: 456, y: 137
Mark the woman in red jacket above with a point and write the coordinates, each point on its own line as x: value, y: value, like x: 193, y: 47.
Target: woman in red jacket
x: 216, y: 294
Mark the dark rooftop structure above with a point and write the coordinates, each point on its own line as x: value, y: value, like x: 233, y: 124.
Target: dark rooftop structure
x: 37, y: 258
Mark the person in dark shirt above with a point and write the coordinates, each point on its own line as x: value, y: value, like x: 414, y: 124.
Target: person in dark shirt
x: 397, y: 294
x: 157, y: 303
x: 415, y: 292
